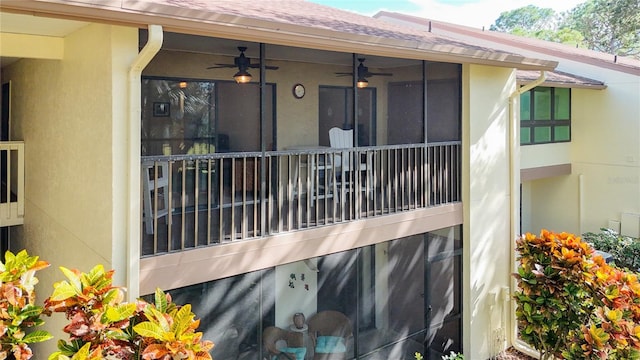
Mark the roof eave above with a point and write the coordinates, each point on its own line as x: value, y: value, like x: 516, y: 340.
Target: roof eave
x: 559, y: 84
x: 516, y: 41
x: 190, y: 21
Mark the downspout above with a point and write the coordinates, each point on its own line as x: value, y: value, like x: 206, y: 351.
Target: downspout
x: 153, y: 45
x: 514, y: 210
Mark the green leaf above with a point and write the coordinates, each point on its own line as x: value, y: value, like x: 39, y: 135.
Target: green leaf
x: 63, y: 290
x: 527, y: 308
x: 37, y: 336
x: 73, y: 278
x: 161, y: 300
x: 30, y: 310
x: 111, y: 296
x: 149, y: 329
x: 119, y: 312
x: 58, y: 356
x: 96, y: 274
x: 634, y: 354
x: 70, y: 348
x: 83, y: 353
x: 117, y: 335
x: 155, y: 316
x: 182, y: 320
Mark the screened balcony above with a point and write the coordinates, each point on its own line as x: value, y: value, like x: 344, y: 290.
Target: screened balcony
x: 226, y: 161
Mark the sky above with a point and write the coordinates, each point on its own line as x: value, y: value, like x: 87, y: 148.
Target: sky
x: 474, y: 13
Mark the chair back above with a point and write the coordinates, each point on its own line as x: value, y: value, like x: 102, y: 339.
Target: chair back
x: 272, y: 336
x: 340, y: 139
x: 330, y: 323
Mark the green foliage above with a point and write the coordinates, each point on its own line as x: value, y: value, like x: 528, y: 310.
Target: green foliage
x: 18, y: 314
x: 624, y: 249
x: 453, y: 356
x: 610, y: 26
x: 549, y: 305
x: 571, y: 304
x: 563, y: 35
x: 528, y: 19
x: 101, y: 325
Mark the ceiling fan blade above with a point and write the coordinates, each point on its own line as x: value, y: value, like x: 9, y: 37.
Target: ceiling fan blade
x: 268, y: 67
x: 220, y: 66
x: 344, y: 74
x: 378, y: 74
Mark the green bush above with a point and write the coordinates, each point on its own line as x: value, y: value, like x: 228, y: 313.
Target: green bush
x: 573, y: 305
x: 550, y: 301
x: 625, y: 250
x: 18, y: 313
x: 101, y: 326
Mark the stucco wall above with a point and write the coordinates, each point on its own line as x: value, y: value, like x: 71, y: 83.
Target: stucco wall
x: 605, y: 148
x: 605, y: 158
x: 71, y: 114
x: 542, y: 196
x: 486, y: 198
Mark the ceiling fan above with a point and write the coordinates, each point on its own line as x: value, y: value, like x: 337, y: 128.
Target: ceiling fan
x: 242, y: 63
x: 363, y: 73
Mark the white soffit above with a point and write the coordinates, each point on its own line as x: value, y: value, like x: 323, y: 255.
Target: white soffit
x: 37, y: 25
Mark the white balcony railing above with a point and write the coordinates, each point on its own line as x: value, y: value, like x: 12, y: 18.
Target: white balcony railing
x: 200, y: 200
x: 12, y: 183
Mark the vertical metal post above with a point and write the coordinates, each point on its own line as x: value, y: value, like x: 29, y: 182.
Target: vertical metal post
x: 355, y: 155
x: 263, y: 147
x: 427, y: 179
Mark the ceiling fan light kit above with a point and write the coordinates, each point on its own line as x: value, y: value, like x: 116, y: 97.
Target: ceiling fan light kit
x: 242, y: 62
x: 242, y: 77
x: 362, y: 74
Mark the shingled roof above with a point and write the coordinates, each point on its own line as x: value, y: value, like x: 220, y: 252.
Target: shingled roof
x: 560, y: 79
x: 609, y: 61
x: 284, y: 22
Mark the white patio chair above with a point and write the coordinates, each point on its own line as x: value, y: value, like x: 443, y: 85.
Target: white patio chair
x: 153, y: 186
x: 344, y: 163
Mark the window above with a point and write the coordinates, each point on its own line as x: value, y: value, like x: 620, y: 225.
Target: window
x: 187, y: 116
x: 545, y: 116
x: 335, y: 110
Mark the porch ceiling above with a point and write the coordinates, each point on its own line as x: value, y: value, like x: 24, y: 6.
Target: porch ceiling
x: 229, y: 47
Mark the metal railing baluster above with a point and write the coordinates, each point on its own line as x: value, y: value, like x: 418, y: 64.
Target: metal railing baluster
x: 304, y: 189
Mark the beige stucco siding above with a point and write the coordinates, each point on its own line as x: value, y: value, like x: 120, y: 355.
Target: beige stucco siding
x: 606, y: 150
x: 486, y: 201
x: 70, y: 114
x: 605, y: 157
x: 31, y: 46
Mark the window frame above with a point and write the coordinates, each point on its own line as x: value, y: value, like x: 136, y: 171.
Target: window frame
x: 532, y: 123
